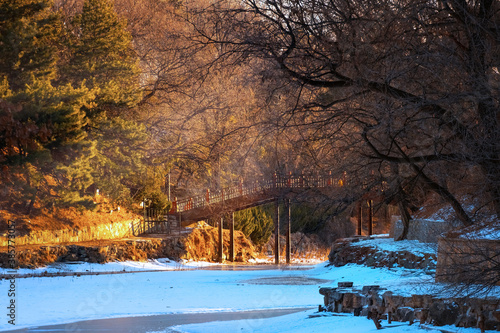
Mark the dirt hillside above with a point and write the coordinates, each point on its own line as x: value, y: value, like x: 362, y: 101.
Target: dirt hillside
x: 201, y: 244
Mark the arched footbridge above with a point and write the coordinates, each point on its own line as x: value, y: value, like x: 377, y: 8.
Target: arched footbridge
x: 223, y: 203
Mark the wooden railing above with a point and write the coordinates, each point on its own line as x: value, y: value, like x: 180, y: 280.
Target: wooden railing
x: 157, y: 221
x: 242, y: 189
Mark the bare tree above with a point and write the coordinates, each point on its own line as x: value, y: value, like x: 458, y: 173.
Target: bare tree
x: 470, y: 261
x: 201, y: 114
x: 407, y: 83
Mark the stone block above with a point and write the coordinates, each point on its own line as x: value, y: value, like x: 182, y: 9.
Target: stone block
x: 443, y: 313
x: 358, y: 301
x: 348, y: 300
x: 422, y: 315
x: 367, y: 290
x: 421, y: 301
x: 405, y: 314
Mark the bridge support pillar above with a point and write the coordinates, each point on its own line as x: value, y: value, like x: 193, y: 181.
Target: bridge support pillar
x: 277, y: 232
x: 370, y: 217
x: 231, y: 238
x: 288, y: 231
x: 360, y: 217
x: 221, y: 241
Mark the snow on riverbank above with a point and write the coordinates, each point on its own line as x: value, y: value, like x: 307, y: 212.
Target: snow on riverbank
x: 310, y: 321
x: 389, y: 245
x: 296, y: 322
x: 60, y: 268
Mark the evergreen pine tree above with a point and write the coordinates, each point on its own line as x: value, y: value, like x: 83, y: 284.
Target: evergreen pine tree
x: 37, y: 116
x: 41, y: 134
x: 43, y: 118
x: 255, y: 223
x: 43, y: 123
x: 29, y: 35
x: 118, y: 163
x: 102, y: 56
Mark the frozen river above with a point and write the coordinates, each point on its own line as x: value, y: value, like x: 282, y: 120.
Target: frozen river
x: 165, y: 296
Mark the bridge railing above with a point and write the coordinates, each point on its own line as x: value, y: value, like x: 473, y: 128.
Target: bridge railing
x: 253, y: 188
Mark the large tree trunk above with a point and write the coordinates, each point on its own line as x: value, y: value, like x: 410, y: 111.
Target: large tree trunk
x: 405, y: 219
x: 444, y: 193
x: 402, y: 204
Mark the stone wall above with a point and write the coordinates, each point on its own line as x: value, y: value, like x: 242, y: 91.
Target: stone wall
x: 114, y: 230
x: 468, y: 261
x: 425, y: 231
x: 377, y: 303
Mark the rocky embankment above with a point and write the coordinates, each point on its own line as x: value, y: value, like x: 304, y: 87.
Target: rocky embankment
x: 96, y: 252
x: 377, y: 303
x: 199, y: 245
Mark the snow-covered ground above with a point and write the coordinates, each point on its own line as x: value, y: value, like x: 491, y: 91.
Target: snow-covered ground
x: 310, y: 321
x: 164, y: 286
x: 388, y: 244
x: 59, y: 268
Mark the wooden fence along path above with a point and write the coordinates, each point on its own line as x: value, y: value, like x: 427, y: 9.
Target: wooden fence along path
x: 158, y: 222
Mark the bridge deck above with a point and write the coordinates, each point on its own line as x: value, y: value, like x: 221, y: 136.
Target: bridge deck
x: 241, y: 196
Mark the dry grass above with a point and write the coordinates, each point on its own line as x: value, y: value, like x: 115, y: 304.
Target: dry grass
x: 202, y: 243
x: 62, y: 218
